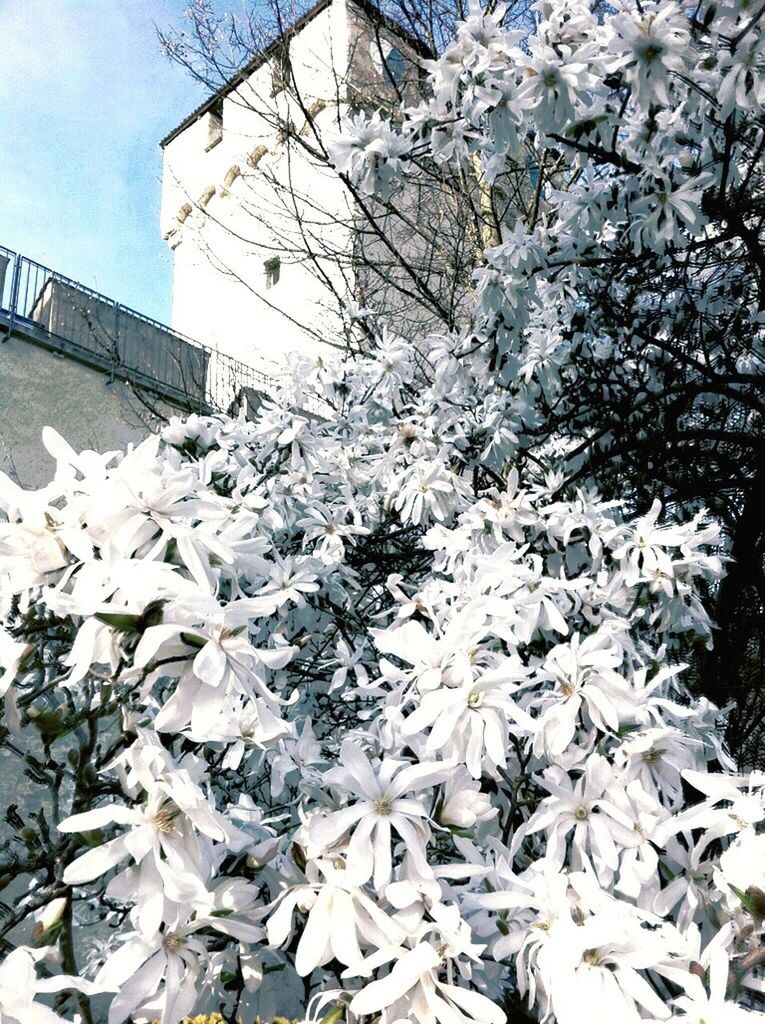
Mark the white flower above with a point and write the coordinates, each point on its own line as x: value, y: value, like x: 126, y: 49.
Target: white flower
x: 163, y: 842
x: 698, y: 1005
x: 585, y: 676
x: 427, y: 490
x: 743, y: 864
x: 369, y: 152
x: 291, y: 580
x: 295, y: 755
x: 653, y: 43
x: 349, y: 660
x: 19, y: 985
x: 39, y: 539
x: 341, y: 918
x: 330, y: 531
x: 472, y: 721
x: 599, y: 828
x: 554, y: 86
x: 597, y: 965
x: 464, y: 805
x: 413, y: 987
x: 158, y: 974
x: 644, y: 555
x: 387, y: 804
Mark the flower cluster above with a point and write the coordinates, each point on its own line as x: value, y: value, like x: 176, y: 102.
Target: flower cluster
x: 370, y: 701
x: 423, y: 792
x: 614, y: 155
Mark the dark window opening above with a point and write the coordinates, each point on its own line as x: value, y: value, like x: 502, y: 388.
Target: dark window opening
x: 273, y: 269
x: 215, y: 124
x: 395, y: 66
x: 281, y: 70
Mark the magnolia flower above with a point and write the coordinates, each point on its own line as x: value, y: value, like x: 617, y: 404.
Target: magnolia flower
x: 163, y: 842
x: 658, y: 757
x: 584, y: 674
x: 295, y: 755
x: 48, y: 920
x: 427, y: 490
x: 639, y: 862
x: 666, y: 210
x: 39, y: 539
x: 413, y: 988
x: 246, y: 727
x: 599, y: 827
x: 505, y: 514
x: 386, y: 805
x: 653, y: 43
x: 349, y: 660
x: 742, y: 865
x: 745, y: 810
x: 699, y: 1005
x: 158, y: 975
x: 341, y: 918
x: 330, y: 531
x: 742, y: 86
x: 224, y: 665
x: 436, y: 657
x: 598, y: 964
x: 19, y: 985
x: 644, y: 553
x: 473, y: 720
x: 554, y: 87
x: 464, y: 805
x: 291, y: 579
x: 369, y: 152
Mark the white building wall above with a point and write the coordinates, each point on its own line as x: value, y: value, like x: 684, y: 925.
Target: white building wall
x: 223, y: 231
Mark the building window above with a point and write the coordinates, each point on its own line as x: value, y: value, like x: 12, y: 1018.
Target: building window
x: 281, y: 69
x: 273, y: 268
x: 395, y: 67
x: 215, y: 124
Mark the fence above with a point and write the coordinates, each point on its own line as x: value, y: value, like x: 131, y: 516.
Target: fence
x: 71, y: 319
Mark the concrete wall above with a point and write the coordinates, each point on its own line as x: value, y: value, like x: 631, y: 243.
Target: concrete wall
x: 115, y: 334
x: 39, y: 388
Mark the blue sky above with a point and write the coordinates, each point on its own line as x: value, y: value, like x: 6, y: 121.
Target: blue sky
x: 85, y: 96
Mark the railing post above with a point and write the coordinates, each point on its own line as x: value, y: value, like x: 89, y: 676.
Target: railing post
x: 14, y: 301
x: 116, y: 353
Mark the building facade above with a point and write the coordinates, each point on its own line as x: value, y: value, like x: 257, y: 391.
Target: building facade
x: 264, y: 233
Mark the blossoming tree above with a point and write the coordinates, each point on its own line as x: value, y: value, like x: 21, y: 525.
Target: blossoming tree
x: 620, y: 158
x: 370, y: 701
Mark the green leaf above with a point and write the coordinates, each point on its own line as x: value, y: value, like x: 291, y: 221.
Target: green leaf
x: 335, y: 1014
x: 123, y: 621
x: 128, y: 622
x: 193, y: 640
x: 753, y: 901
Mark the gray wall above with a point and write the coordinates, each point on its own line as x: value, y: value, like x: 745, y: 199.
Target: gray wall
x: 108, y: 331
x: 39, y: 388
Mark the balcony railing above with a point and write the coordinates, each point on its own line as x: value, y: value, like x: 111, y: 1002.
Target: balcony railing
x: 66, y: 317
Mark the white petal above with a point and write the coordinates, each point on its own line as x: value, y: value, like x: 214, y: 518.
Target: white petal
x: 95, y: 862
x: 405, y: 974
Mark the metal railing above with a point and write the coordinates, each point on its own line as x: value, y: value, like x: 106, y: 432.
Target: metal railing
x: 69, y: 318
